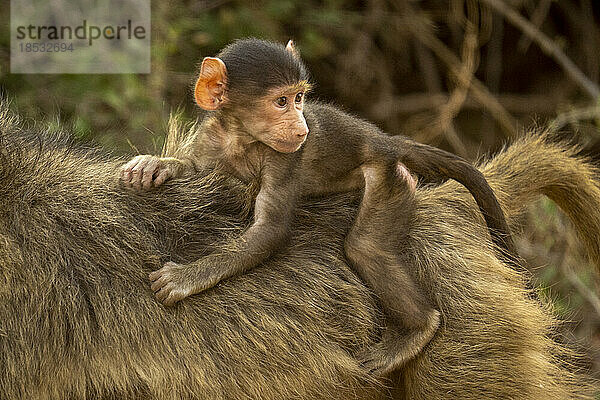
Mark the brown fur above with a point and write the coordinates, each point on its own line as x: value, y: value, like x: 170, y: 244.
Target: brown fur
x: 78, y: 321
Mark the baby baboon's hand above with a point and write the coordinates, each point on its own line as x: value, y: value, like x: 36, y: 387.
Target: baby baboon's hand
x: 144, y: 172
x: 174, y: 282
x: 171, y: 283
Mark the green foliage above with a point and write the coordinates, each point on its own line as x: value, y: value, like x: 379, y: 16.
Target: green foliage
x: 119, y: 111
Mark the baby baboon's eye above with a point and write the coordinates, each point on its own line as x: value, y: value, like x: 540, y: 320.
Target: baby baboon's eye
x: 282, y: 101
x: 299, y: 97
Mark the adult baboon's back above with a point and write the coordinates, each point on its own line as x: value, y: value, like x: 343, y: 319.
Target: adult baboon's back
x: 78, y: 320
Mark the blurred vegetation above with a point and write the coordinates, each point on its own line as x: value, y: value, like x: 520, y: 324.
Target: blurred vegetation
x: 459, y: 74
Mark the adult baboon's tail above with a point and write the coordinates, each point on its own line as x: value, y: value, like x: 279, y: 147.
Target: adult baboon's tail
x: 535, y: 165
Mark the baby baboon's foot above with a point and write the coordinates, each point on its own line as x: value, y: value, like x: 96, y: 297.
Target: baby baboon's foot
x: 397, y: 347
x: 144, y: 172
x: 375, y: 358
x: 384, y: 357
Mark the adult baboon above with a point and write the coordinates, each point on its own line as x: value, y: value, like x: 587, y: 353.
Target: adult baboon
x: 78, y: 321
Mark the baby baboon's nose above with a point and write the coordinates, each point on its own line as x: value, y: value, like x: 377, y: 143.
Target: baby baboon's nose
x: 302, y: 131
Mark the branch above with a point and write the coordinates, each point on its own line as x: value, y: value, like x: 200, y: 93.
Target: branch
x: 422, y: 31
x: 573, y: 116
x: 547, y: 46
x: 537, y: 19
x: 422, y: 101
x: 452, y: 107
x: 582, y: 289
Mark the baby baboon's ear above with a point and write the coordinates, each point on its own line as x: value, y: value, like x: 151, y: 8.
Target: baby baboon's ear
x: 209, y: 91
x: 292, y: 48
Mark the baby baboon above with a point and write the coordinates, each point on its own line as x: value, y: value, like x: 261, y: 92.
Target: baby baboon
x: 77, y: 320
x: 259, y: 131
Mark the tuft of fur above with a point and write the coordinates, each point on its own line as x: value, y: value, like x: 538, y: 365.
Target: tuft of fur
x: 78, y: 320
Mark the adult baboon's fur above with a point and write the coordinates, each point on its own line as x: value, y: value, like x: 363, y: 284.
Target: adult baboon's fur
x: 78, y: 319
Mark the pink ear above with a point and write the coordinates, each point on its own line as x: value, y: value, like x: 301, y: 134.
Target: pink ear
x: 291, y: 48
x: 209, y: 91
